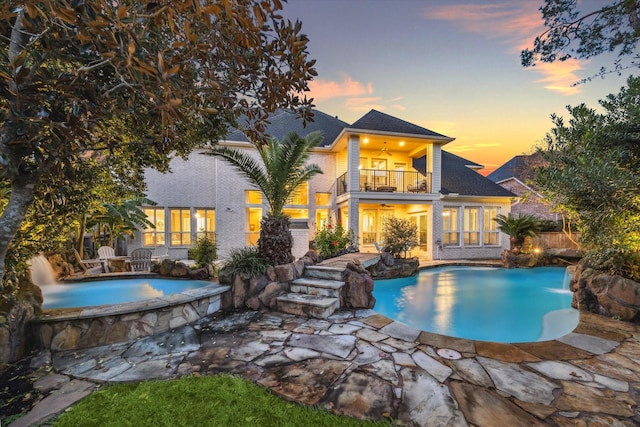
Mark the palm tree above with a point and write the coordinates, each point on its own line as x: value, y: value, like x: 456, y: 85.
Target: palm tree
x: 281, y: 171
x: 518, y: 229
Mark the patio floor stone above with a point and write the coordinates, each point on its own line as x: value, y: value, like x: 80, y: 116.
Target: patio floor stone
x: 362, y: 364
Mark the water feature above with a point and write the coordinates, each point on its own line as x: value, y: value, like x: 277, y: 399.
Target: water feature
x: 488, y: 304
x: 42, y: 273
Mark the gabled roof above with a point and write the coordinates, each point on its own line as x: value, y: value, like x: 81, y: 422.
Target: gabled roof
x: 283, y: 122
x: 457, y: 177
x: 377, y: 121
x: 519, y: 167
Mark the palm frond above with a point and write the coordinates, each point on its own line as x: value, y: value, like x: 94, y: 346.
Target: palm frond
x: 243, y: 163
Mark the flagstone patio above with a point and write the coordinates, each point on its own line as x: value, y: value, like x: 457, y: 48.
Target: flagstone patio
x: 364, y: 365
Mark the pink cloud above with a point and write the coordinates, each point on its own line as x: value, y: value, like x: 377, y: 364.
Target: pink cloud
x: 324, y: 89
x: 515, y: 24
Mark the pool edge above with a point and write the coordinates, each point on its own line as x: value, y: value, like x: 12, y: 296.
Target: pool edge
x: 72, y: 329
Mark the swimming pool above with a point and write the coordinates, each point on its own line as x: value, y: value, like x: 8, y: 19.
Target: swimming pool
x: 482, y: 303
x: 113, y: 291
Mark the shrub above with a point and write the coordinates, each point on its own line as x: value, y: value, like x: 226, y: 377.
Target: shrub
x: 400, y: 236
x: 245, y: 260
x: 204, y: 252
x: 330, y: 240
x: 617, y: 260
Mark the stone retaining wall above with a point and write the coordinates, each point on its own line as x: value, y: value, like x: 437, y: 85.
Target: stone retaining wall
x: 90, y: 327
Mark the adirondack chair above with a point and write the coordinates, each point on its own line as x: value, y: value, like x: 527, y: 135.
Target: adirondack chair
x: 140, y: 259
x: 104, y: 253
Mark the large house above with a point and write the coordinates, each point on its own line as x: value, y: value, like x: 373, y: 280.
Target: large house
x: 377, y: 167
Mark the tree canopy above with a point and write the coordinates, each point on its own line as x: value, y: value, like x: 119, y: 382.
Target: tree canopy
x: 130, y: 84
x: 573, y: 32
x: 593, y: 174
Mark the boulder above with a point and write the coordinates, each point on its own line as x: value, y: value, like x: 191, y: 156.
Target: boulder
x: 357, y: 291
x: 285, y: 272
x: 610, y: 295
x: 199, y: 273
x: 399, y: 267
x: 271, y: 292
x: 240, y: 290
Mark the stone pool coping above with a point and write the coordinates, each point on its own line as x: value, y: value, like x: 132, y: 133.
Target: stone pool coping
x: 132, y: 307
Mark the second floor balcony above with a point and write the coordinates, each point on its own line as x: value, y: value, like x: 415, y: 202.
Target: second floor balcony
x: 387, y: 181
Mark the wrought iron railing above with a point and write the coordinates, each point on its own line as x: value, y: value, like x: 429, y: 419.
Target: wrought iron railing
x: 388, y: 181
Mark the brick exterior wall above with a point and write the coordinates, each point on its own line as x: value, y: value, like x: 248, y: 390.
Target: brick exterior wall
x: 531, y: 204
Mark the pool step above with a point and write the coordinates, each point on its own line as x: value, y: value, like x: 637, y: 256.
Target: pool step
x: 322, y: 272
x: 317, y: 306
x: 314, y: 286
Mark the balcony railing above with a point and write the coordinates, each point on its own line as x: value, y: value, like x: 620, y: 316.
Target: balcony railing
x: 387, y: 181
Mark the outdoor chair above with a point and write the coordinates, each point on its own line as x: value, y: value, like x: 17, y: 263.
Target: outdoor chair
x: 140, y: 259
x: 418, y: 187
x: 104, y: 253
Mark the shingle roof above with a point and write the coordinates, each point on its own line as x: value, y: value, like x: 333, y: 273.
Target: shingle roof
x: 457, y: 177
x: 520, y: 167
x: 283, y: 122
x: 377, y: 121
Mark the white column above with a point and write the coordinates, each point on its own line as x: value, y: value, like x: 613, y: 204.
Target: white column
x: 436, y: 168
x: 353, y: 161
x: 354, y: 217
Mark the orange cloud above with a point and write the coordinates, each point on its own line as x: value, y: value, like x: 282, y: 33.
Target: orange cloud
x: 324, y: 89
x: 559, y: 76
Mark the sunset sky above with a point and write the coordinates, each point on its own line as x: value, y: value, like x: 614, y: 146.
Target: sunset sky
x: 452, y: 66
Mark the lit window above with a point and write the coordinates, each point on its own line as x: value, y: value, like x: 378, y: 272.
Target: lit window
x: 254, y: 215
x: 322, y: 218
x: 323, y: 199
x: 180, y: 227
x: 205, y: 223
x: 296, y: 213
x: 450, y: 231
x: 491, y: 233
x: 299, y: 196
x: 154, y: 236
x: 253, y: 197
x: 471, y: 227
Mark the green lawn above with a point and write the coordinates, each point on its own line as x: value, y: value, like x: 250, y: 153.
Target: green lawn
x: 222, y: 400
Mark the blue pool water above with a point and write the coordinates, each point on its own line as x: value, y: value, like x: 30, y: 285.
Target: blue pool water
x: 481, y: 303
x: 115, y: 291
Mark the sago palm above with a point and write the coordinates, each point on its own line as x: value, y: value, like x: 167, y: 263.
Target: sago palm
x: 281, y: 170
x: 518, y: 229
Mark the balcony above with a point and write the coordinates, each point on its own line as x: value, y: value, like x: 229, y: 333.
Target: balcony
x: 387, y: 181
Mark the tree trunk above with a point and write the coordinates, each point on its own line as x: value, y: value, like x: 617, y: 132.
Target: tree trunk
x: 275, y: 242
x: 14, y: 214
x: 516, y: 244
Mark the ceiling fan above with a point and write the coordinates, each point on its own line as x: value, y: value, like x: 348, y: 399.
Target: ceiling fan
x: 384, y: 150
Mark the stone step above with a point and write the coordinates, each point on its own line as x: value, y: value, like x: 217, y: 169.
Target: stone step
x: 313, y: 286
x: 316, y: 306
x: 322, y: 272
